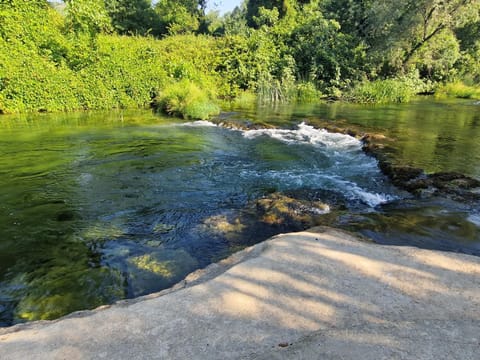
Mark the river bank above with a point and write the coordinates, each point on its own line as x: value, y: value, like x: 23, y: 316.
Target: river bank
x: 321, y: 292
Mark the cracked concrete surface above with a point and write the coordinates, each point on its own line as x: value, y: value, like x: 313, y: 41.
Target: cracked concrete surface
x: 319, y: 294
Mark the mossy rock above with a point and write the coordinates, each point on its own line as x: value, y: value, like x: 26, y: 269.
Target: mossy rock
x: 64, y: 290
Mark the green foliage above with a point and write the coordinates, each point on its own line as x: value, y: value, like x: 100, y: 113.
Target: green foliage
x: 325, y: 55
x: 131, y: 71
x: 398, y: 33
x: 458, y: 90
x: 29, y: 82
x: 186, y: 99
x: 33, y: 74
x: 237, y: 67
x: 469, y: 63
x: 257, y: 11
x: 282, y: 89
x: 87, y: 17
x: 31, y: 24
x: 382, y: 92
x: 44, y: 69
x: 235, y: 23
x: 292, y: 50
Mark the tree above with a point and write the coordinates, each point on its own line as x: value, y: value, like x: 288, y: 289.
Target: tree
x: 469, y: 40
x: 132, y: 16
x: 323, y: 54
x: 424, y: 20
x: 236, y: 21
x: 254, y: 9
x: 352, y: 15
x: 87, y: 17
x: 403, y: 27
x: 179, y: 16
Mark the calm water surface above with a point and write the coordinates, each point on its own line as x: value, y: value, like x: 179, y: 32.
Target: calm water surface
x: 98, y: 207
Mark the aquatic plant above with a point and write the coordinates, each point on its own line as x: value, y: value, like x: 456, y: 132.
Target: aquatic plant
x: 186, y: 99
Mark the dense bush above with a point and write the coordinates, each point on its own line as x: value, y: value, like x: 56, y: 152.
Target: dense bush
x: 52, y: 63
x: 294, y: 51
x: 458, y: 90
x: 50, y: 68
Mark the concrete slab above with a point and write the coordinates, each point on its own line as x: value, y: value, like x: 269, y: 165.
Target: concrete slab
x: 320, y: 294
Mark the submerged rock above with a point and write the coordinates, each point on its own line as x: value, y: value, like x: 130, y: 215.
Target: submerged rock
x: 450, y: 184
x: 243, y: 124
x: 66, y: 215
x: 281, y: 210
x: 267, y: 216
x: 457, y: 186
x: 163, y: 267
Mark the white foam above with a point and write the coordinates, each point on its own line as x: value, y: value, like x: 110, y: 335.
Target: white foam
x: 474, y: 219
x: 354, y: 191
x: 200, y: 123
x: 349, y: 163
x: 328, y: 181
x: 372, y: 199
x: 307, y: 134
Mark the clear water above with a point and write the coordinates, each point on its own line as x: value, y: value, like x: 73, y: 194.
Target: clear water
x: 103, y: 206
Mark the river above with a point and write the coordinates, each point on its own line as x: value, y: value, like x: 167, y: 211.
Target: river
x: 97, y: 207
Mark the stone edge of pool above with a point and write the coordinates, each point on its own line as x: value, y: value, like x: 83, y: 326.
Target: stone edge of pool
x: 299, y: 295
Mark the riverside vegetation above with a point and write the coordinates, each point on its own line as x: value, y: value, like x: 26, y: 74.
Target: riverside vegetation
x: 95, y: 54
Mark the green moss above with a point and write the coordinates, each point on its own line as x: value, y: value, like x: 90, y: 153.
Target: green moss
x: 64, y: 289
x: 162, y: 267
x: 149, y: 263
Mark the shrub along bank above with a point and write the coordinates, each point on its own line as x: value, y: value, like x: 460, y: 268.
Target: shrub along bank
x: 300, y: 51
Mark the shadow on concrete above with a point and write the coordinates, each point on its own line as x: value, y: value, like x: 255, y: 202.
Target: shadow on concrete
x: 308, y: 295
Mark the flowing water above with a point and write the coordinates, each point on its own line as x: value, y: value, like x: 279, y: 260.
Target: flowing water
x: 97, y: 207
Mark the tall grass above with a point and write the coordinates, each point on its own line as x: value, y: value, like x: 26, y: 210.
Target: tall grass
x: 457, y: 90
x: 245, y: 100
x: 307, y: 93
x: 382, y: 92
x: 187, y: 100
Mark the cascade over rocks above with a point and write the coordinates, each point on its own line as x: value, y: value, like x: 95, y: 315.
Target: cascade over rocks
x: 454, y: 185
x: 451, y: 184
